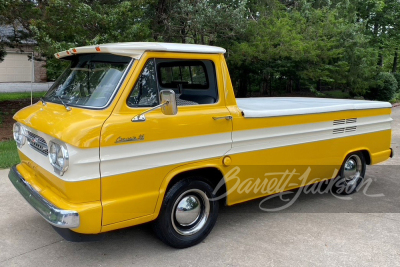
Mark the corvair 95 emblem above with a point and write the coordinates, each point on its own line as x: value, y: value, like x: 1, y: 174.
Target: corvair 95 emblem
x: 130, y: 139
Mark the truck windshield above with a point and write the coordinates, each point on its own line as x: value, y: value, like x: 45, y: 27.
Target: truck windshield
x: 90, y: 81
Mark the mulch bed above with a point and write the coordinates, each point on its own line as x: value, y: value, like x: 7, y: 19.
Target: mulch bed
x: 7, y: 111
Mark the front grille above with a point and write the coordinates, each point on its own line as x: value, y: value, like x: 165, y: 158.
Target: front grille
x: 37, y: 143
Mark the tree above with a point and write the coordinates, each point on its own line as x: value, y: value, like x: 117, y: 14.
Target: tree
x: 3, y: 52
x: 273, y: 46
x: 199, y: 21
x: 305, y: 46
x: 73, y: 23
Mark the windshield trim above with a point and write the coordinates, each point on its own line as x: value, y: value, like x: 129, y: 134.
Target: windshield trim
x: 117, y: 88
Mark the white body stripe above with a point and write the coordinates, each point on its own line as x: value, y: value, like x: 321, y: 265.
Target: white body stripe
x: 140, y: 156
x: 131, y: 157
x: 265, y: 138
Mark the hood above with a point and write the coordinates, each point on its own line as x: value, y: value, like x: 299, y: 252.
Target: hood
x: 78, y: 127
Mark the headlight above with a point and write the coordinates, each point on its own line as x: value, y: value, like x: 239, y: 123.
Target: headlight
x: 19, y: 134
x: 58, y: 156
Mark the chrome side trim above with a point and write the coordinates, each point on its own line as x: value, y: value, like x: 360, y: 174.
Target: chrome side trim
x: 53, y: 215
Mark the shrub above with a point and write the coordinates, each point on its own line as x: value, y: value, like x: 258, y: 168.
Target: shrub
x: 397, y: 77
x: 384, y: 87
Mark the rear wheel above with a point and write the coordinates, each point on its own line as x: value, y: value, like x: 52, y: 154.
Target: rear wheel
x: 188, y: 214
x: 351, y: 175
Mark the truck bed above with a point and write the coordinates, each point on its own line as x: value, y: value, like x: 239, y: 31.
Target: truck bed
x: 261, y: 107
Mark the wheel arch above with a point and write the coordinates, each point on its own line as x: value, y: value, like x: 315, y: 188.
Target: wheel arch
x: 210, y: 173
x: 367, y: 156
x: 365, y: 152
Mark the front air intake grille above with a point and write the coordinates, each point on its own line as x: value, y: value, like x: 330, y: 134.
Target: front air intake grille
x: 37, y: 143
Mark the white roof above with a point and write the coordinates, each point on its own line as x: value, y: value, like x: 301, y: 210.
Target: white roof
x: 136, y: 49
x: 286, y: 106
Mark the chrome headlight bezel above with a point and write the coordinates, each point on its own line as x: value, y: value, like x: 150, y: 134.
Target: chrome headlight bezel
x: 19, y: 134
x: 58, y: 156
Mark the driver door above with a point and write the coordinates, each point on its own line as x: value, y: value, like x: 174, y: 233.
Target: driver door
x: 136, y: 156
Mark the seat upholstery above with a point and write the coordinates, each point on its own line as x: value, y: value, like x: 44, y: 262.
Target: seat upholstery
x: 199, y: 99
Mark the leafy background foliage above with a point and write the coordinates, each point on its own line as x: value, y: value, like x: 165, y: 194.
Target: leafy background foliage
x: 274, y: 47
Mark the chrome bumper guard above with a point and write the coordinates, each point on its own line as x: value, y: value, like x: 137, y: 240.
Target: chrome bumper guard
x: 53, y: 215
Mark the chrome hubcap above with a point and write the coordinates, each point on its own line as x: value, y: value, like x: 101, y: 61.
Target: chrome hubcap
x: 190, y: 212
x: 352, y: 169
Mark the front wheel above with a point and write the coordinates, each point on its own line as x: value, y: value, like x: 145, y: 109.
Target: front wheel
x: 188, y: 213
x: 351, y: 174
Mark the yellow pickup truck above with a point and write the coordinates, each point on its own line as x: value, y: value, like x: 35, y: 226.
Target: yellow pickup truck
x: 138, y: 132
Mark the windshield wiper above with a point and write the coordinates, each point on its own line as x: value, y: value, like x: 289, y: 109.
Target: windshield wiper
x: 65, y: 105
x: 43, y: 102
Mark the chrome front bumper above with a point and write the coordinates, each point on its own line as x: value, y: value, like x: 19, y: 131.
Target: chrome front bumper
x: 55, y: 216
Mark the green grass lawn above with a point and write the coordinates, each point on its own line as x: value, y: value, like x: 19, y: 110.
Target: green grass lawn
x: 8, y: 154
x: 20, y: 96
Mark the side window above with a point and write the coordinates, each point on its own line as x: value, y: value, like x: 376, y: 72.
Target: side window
x: 194, y: 81
x: 145, y: 91
x: 192, y: 75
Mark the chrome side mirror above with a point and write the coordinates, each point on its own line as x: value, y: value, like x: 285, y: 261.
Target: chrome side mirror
x: 168, y: 106
x: 168, y: 97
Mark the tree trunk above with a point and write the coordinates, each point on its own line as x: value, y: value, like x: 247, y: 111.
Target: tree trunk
x: 249, y: 86
x: 380, y: 53
x: 242, y: 92
x: 394, y: 69
x: 319, y: 85
x: 265, y: 85
x: 376, y: 28
x: 271, y: 76
x: 380, y: 57
x: 297, y: 86
x: 161, y: 11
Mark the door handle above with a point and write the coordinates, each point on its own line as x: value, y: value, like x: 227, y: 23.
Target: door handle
x: 228, y: 118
